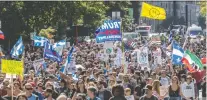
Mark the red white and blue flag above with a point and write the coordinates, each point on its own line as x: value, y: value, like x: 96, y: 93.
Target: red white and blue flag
x: 1, y: 35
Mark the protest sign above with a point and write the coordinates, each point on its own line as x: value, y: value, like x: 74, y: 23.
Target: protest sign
x: 37, y: 64
x: 12, y: 67
x: 142, y: 57
x: 157, y: 56
x: 155, y: 39
x: 71, y: 67
x: 109, y: 31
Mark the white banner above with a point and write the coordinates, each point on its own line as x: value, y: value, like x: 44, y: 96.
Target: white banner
x: 142, y: 57
x: 157, y: 56
x: 71, y: 67
x: 37, y: 64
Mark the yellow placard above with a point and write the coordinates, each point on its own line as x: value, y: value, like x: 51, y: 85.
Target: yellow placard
x: 153, y: 12
x: 12, y: 67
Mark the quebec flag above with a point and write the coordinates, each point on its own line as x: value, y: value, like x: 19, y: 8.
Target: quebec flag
x: 50, y: 53
x: 58, y: 46
x: 39, y: 41
x: 17, y: 49
x: 177, y: 54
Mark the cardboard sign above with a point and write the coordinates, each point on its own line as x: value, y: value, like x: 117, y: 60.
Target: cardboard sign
x: 12, y: 67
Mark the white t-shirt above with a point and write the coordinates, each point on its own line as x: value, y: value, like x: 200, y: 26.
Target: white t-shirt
x: 188, y: 90
x: 131, y: 97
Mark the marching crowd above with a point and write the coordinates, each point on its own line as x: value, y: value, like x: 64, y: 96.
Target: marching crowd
x: 99, y: 78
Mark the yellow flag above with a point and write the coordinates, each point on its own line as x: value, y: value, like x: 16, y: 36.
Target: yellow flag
x: 153, y: 12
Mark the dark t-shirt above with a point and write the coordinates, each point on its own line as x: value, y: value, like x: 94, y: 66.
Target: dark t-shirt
x: 203, y: 87
x: 9, y: 97
x: 145, y: 98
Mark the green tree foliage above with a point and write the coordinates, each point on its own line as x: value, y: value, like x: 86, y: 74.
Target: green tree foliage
x: 201, y: 21
x: 203, y: 8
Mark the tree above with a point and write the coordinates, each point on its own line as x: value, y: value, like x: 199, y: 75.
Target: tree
x: 202, y: 8
x: 201, y: 21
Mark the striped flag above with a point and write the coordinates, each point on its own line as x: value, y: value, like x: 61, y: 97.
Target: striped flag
x: 170, y: 37
x: 189, y: 59
x: 17, y: 49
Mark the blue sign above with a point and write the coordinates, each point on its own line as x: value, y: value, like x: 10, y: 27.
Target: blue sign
x: 51, y: 54
x: 110, y: 30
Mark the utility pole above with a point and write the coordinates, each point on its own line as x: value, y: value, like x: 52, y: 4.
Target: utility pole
x: 174, y: 12
x: 186, y: 14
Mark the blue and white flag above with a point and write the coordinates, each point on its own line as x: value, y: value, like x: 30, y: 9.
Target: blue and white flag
x: 170, y: 37
x: 177, y: 54
x: 60, y: 43
x: 69, y: 66
x: 39, y: 41
x: 50, y: 53
x: 58, y: 46
x: 17, y: 49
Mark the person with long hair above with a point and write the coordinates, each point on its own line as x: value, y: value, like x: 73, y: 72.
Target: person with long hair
x: 174, y: 90
x: 17, y: 88
x: 118, y: 93
x: 156, y: 88
x: 81, y: 87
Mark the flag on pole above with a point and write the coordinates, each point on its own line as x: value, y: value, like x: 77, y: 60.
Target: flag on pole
x: 170, y: 37
x: 153, y: 12
x: 1, y: 35
x: 177, y: 54
x: 67, y: 65
x: 17, y: 49
x: 189, y: 59
x: 39, y: 41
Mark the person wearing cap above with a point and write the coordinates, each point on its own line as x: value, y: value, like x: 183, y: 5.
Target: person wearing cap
x: 148, y: 93
x: 29, y: 89
x: 48, y: 94
x: 92, y: 92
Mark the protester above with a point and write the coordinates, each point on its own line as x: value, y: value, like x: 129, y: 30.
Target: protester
x: 97, y: 72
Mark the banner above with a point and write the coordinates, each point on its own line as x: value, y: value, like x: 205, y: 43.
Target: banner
x: 37, y: 64
x: 12, y: 67
x: 51, y: 54
x: 155, y: 39
x: 142, y: 57
x: 109, y: 31
x: 157, y: 56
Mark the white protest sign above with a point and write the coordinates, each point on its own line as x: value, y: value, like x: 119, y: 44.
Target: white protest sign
x: 37, y: 64
x: 8, y: 76
x: 71, y: 67
x: 108, y: 49
x: 142, y: 57
x: 157, y: 56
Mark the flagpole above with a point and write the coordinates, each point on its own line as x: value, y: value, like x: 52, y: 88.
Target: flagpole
x: 123, y: 59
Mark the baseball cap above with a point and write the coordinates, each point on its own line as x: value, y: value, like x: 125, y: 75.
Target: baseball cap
x: 148, y: 87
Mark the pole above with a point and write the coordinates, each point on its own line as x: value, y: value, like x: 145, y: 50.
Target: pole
x: 76, y: 34
x: 12, y: 90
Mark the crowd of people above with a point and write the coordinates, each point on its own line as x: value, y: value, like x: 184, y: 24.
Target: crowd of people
x: 101, y: 78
